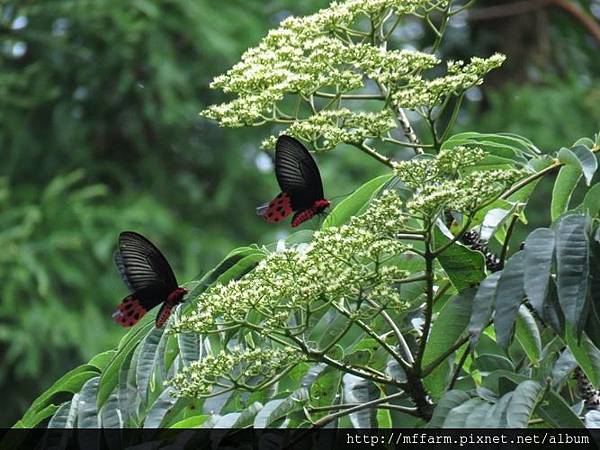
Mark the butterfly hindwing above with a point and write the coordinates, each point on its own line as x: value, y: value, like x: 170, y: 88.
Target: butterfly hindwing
x: 136, y: 305
x: 141, y: 264
x: 297, y: 173
x: 129, y: 311
x: 278, y: 209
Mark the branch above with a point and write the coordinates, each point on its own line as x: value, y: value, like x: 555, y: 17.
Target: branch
x: 509, y: 232
x: 397, y: 333
x: 350, y: 96
x: 429, y: 271
x: 325, y: 420
x: 373, y: 154
x: 524, y: 182
x: 408, y: 130
x: 404, y: 409
x: 523, y: 7
x: 458, y: 368
x: 437, y: 361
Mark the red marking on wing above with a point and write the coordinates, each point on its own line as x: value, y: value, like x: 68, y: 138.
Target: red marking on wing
x: 279, y: 208
x: 308, y: 214
x: 303, y: 217
x: 129, y: 312
x: 163, y: 315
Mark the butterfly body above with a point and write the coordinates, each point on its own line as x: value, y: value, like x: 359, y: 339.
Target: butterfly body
x: 149, y: 278
x: 300, y: 183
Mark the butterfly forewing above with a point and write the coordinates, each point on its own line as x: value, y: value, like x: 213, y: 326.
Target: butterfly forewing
x: 297, y: 173
x: 118, y: 259
x: 142, y: 264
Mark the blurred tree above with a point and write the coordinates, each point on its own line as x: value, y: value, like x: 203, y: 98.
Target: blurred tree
x: 112, y: 88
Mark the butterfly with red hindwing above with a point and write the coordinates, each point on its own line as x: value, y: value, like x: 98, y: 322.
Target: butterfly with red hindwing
x: 300, y: 183
x: 149, y: 278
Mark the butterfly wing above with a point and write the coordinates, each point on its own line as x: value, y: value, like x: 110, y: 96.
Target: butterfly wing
x: 142, y: 265
x: 277, y: 209
x: 136, y: 305
x: 297, y: 173
x: 118, y: 259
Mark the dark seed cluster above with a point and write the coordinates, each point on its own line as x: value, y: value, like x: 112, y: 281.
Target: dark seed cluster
x: 474, y: 242
x: 588, y: 394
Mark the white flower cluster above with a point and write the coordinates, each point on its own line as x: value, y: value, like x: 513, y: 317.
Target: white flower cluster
x: 422, y: 92
x: 200, y: 377
x: 308, y: 54
x: 330, y: 128
x: 390, y: 67
x: 438, y: 182
x: 428, y: 169
x: 341, y: 264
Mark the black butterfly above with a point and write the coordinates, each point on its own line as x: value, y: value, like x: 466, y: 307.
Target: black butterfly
x: 149, y: 278
x: 300, y: 183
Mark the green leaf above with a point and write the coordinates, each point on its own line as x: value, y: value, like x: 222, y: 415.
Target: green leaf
x: 572, y: 253
x: 241, y: 268
x: 278, y: 409
x: 87, y: 414
x: 556, y: 412
x: 592, y: 419
x: 586, y: 354
x: 395, y: 370
x: 563, y: 367
x: 353, y: 204
x: 492, y: 220
x: 190, y: 347
x: 539, y: 250
x: 465, y: 267
x: 110, y: 375
x: 450, y: 325
x: 591, y: 201
x: 325, y: 388
x: 528, y: 335
x: 509, y: 295
x: 38, y: 416
x: 66, y: 415
x: 483, y: 304
x: 101, y: 360
x: 227, y: 263
x: 524, y: 400
x: 160, y: 408
x: 241, y: 419
x: 71, y: 383
x: 191, y: 422
x: 487, y: 362
x: 330, y: 326
x: 110, y: 416
x: 458, y: 415
x: 565, y: 184
x: 477, y: 415
x: 496, y: 416
x: 146, y: 359
x: 582, y: 158
x: 126, y: 392
x: 510, y: 146
x: 450, y: 400
x: 359, y: 390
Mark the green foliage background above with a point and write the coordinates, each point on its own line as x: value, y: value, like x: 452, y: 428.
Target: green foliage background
x: 99, y: 132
